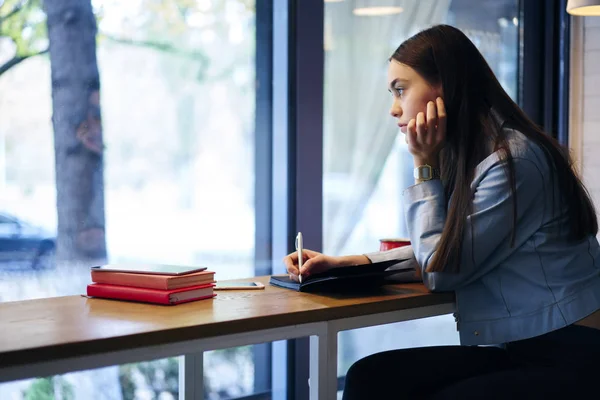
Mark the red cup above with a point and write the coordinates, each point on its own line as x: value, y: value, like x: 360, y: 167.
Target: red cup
x: 388, y: 244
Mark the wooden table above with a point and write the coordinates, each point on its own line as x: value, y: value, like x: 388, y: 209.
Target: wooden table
x: 63, y: 334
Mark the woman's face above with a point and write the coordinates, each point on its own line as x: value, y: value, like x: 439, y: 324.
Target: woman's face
x: 411, y: 93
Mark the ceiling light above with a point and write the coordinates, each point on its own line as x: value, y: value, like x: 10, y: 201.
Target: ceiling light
x: 584, y: 7
x: 377, y: 11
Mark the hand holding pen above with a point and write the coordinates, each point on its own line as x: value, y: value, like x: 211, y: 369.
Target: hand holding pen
x: 304, y: 262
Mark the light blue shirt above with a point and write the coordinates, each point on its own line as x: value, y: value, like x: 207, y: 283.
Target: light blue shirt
x: 506, y: 293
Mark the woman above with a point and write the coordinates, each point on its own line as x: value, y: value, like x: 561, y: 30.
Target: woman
x: 496, y: 215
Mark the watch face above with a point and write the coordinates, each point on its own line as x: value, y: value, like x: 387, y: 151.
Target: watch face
x: 426, y: 173
x: 423, y: 173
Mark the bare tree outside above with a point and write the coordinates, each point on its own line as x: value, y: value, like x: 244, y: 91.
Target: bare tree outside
x: 77, y: 126
x: 67, y: 29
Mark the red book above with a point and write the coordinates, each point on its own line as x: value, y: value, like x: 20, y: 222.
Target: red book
x: 152, y: 281
x: 146, y: 295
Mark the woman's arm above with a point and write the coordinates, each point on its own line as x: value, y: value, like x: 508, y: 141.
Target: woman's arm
x: 486, y: 239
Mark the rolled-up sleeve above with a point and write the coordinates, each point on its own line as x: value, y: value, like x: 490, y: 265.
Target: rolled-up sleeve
x: 488, y: 229
x: 399, y: 253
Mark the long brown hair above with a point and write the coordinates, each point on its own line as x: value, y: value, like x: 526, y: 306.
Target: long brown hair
x: 444, y: 55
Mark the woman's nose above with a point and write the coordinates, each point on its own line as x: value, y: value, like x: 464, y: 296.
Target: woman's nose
x: 396, y: 110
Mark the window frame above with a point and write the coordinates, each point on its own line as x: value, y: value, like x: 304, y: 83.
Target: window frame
x: 298, y: 72
x: 544, y: 59
x: 263, y: 169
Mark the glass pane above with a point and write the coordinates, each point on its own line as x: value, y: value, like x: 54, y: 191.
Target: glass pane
x: 132, y: 144
x: 366, y: 164
x: 228, y: 373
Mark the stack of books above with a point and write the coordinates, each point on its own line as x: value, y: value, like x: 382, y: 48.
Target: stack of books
x: 151, y: 283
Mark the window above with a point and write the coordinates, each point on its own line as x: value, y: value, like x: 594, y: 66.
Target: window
x: 365, y: 162
x: 140, y: 148
x: 187, y: 154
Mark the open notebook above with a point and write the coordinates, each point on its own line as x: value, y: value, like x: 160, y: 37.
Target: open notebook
x: 356, y: 277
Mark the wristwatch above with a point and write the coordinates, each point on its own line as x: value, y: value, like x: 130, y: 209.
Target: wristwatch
x: 426, y: 173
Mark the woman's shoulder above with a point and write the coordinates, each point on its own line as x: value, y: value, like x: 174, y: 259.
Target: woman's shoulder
x: 521, y: 146
x: 524, y: 152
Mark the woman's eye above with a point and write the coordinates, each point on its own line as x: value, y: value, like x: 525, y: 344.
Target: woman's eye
x: 398, y: 91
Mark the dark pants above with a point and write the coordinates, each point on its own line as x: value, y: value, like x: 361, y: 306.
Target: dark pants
x: 564, y: 364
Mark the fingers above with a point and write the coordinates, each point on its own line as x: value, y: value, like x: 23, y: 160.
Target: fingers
x: 426, y: 133
x: 421, y: 126
x: 314, y: 262
x: 306, y: 267
x: 291, y: 263
x: 411, y: 132
x: 441, y: 118
x: 306, y: 253
x: 293, y: 271
x: 432, y: 121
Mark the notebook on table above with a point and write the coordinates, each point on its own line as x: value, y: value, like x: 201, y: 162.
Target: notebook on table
x: 145, y: 295
x: 153, y: 281
x: 142, y: 268
x: 347, y: 278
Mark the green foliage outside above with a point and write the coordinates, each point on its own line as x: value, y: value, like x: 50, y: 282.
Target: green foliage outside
x: 23, y: 22
x: 53, y: 388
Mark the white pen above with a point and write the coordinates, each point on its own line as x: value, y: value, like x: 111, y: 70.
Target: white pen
x: 299, y: 249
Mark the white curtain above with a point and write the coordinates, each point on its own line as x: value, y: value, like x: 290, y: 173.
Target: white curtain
x: 358, y: 131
